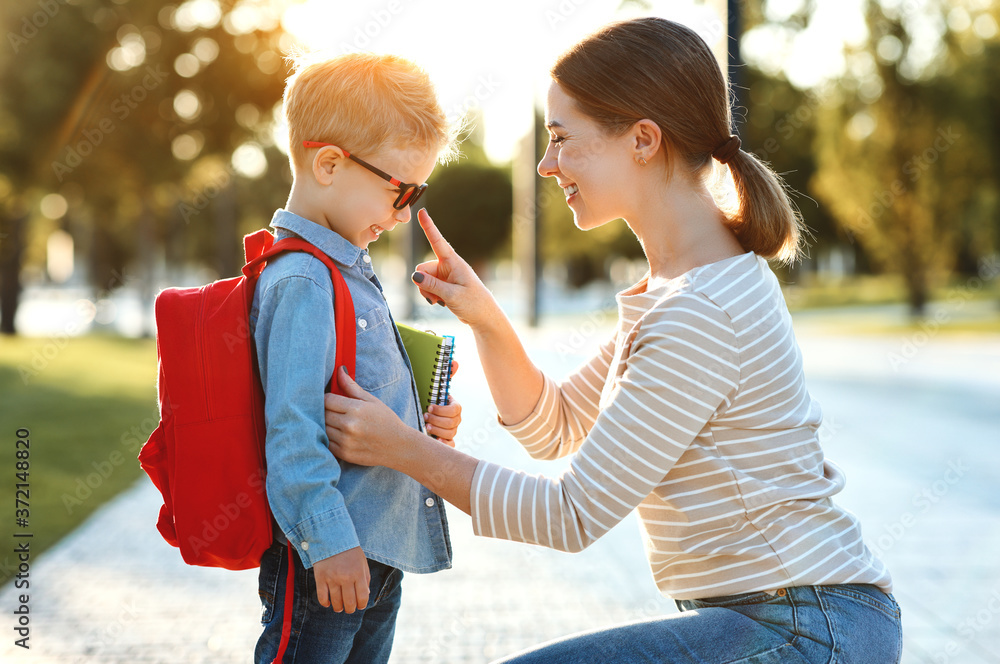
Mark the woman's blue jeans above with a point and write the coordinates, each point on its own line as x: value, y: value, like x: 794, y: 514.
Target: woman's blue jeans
x: 842, y: 624
x: 319, y: 634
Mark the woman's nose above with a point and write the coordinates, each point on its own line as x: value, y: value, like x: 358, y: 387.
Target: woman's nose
x: 548, y: 166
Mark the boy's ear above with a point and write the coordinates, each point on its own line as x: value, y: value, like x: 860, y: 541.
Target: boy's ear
x: 327, y: 161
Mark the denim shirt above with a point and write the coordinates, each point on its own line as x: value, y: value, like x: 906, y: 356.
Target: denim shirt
x: 323, y: 506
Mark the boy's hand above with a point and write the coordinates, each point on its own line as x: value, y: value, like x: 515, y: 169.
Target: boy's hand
x: 442, y: 421
x: 342, y: 581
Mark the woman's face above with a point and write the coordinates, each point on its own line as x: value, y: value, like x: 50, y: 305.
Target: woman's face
x: 589, y: 165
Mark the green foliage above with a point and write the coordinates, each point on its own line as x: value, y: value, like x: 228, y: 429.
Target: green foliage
x: 907, y: 158
x: 471, y: 202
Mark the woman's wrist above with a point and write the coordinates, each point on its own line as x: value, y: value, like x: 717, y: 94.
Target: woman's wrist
x: 440, y: 468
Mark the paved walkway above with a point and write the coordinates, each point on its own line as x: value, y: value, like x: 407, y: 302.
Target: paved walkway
x: 918, y: 440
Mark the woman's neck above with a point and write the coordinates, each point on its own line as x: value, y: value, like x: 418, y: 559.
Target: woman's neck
x: 680, y: 228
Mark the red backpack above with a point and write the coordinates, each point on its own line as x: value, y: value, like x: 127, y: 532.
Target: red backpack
x: 207, y: 454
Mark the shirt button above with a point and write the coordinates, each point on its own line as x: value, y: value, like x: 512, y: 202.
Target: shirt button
x: 429, y: 502
x: 305, y: 546
x: 363, y: 323
x: 366, y: 258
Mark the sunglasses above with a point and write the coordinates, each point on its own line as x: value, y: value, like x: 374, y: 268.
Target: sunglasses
x: 408, y: 193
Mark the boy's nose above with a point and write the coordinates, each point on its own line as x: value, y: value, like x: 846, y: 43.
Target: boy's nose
x: 402, y: 216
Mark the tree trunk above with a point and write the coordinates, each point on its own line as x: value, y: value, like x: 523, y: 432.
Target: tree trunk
x: 227, y: 240
x: 11, y: 254
x: 915, y: 277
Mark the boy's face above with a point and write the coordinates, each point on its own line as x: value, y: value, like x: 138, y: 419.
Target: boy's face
x: 359, y: 204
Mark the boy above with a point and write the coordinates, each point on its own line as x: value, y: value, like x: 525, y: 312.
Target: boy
x: 352, y: 120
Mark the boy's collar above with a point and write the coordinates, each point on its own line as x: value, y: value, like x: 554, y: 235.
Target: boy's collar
x: 329, y: 242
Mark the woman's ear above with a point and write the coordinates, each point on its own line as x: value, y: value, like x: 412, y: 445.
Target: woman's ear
x: 647, y: 139
x: 328, y: 160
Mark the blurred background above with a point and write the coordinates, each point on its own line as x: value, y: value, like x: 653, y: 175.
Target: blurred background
x: 140, y: 140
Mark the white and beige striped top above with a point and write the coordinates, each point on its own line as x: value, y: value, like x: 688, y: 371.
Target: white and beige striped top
x: 697, y: 413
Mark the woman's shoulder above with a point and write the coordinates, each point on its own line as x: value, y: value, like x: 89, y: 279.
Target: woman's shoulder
x: 719, y: 294
x: 741, y: 286
x: 686, y: 312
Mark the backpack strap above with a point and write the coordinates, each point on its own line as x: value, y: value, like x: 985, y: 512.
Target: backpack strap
x: 255, y: 244
x: 260, y: 247
x: 343, y: 305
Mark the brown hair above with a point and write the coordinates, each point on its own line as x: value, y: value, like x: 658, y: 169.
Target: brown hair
x: 652, y: 68
x: 363, y: 103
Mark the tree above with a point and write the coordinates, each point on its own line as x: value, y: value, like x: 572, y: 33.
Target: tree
x: 780, y: 130
x: 37, y: 92
x: 472, y: 202
x: 135, y: 109
x: 902, y: 152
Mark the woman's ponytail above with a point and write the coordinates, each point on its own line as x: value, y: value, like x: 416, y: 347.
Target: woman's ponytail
x: 765, y: 221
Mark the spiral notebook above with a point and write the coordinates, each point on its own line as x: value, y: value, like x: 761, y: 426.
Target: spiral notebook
x: 430, y: 356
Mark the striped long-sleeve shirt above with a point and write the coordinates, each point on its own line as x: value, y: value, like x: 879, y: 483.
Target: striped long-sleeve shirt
x: 696, y: 413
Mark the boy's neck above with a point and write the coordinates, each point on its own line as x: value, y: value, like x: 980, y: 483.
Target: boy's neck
x: 303, y: 205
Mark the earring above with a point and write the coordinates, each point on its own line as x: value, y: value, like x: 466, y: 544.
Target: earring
x: 642, y: 161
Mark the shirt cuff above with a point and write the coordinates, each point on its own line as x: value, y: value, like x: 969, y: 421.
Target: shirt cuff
x: 482, y: 487
x: 324, y: 535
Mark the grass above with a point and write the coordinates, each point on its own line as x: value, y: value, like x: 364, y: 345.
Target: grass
x: 877, y: 305
x: 89, y: 404
x: 855, y: 291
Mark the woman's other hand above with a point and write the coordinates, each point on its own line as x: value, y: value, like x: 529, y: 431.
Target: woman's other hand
x: 450, y: 280
x: 361, y: 429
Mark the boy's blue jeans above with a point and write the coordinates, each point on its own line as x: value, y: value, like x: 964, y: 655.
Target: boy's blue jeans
x: 842, y: 624
x: 319, y: 634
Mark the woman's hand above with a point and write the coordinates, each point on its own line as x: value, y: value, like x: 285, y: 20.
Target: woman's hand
x: 361, y: 429
x: 365, y: 431
x: 449, y: 280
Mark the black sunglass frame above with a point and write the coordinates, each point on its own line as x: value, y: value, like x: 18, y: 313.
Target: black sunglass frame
x: 405, y: 198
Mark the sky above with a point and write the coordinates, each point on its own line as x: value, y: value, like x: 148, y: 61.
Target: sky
x: 494, y: 57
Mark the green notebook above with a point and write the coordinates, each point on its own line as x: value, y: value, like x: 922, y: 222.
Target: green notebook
x: 430, y: 357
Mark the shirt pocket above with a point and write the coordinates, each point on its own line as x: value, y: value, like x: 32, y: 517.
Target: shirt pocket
x: 379, y: 362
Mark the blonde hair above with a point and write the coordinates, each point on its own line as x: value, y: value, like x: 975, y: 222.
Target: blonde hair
x: 657, y: 69
x: 363, y: 103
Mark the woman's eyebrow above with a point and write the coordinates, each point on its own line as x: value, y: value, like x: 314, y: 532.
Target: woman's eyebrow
x: 553, y: 123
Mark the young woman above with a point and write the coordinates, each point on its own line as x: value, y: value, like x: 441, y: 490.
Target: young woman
x: 695, y: 411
